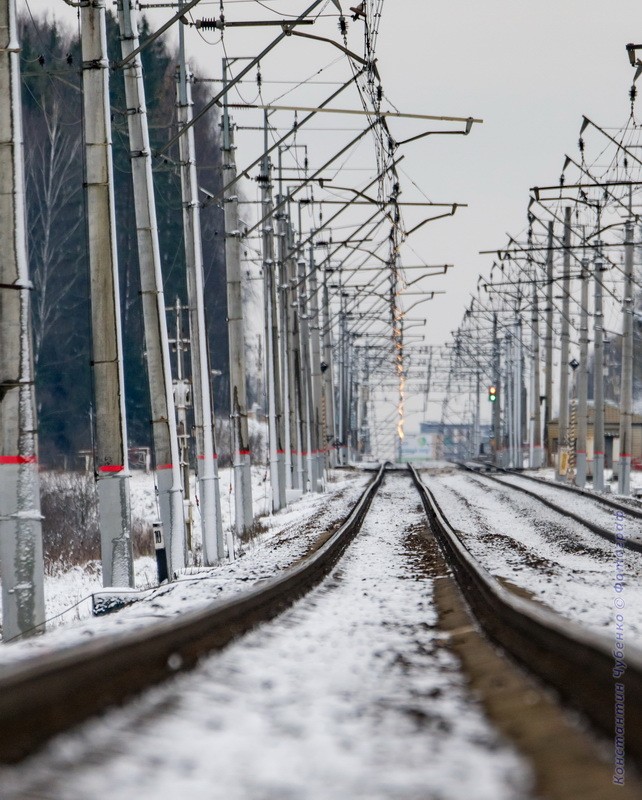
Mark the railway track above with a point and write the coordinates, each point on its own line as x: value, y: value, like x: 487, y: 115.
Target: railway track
x: 35, y: 702
x: 565, y: 495
x: 35, y: 698
x: 579, y: 663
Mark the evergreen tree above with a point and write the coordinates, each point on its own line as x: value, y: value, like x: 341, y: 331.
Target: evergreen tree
x: 52, y: 98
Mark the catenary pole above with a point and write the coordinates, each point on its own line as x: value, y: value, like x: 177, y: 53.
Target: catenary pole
x: 565, y: 341
x: 598, y: 374
x: 582, y: 381
x: 327, y: 374
x: 517, y: 393
x: 299, y: 429
x: 626, y: 387
x: 164, y: 433
x: 111, y: 462
x: 315, y: 355
x: 289, y: 434
x: 21, y: 560
x: 536, y: 461
x: 272, y: 355
x: 206, y: 456
x: 307, y: 402
x: 498, y: 437
x: 548, y: 347
x: 509, y: 405
x: 241, y: 457
x: 182, y: 399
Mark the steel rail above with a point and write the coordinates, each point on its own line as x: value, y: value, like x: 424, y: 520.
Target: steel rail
x: 47, y: 695
x: 577, y: 662
x: 610, y: 536
x: 567, y: 487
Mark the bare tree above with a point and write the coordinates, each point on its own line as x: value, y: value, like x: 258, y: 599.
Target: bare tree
x: 54, y: 186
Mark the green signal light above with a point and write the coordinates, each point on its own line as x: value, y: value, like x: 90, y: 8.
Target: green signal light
x: 492, y: 393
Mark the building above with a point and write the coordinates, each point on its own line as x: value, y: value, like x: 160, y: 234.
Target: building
x: 611, y: 436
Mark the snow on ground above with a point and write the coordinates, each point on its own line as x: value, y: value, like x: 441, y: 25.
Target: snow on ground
x: 349, y: 694
x: 562, y: 564
x: 548, y: 474
x: 578, y: 504
x: 68, y: 593
x: 288, y: 535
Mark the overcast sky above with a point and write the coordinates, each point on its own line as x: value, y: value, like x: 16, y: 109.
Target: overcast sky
x: 530, y: 70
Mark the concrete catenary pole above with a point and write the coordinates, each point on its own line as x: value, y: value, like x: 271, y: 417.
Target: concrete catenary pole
x: 296, y: 369
x: 327, y: 374
x: 308, y: 429
x: 111, y: 462
x: 315, y: 343
x: 241, y: 458
x: 21, y: 562
x: 289, y: 433
x: 565, y: 341
x: 509, y: 404
x: 548, y: 347
x: 272, y: 355
x: 518, y: 461
x: 598, y: 374
x: 206, y: 457
x: 626, y: 387
x: 477, y: 425
x: 582, y: 382
x: 164, y: 434
x: 536, y: 461
x: 498, y: 437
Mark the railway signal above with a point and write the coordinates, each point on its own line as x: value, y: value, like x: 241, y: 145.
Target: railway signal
x: 492, y: 394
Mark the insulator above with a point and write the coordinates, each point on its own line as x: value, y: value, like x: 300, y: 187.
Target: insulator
x: 259, y: 79
x: 41, y: 60
x: 70, y: 59
x: 581, y: 144
x: 379, y: 93
x: 210, y: 24
x: 343, y: 27
x: 626, y: 162
x: 633, y: 93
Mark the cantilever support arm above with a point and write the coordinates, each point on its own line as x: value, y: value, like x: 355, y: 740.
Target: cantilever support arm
x: 454, y: 208
x: 343, y: 49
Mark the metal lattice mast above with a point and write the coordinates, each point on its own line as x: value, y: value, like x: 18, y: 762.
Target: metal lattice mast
x: 21, y: 562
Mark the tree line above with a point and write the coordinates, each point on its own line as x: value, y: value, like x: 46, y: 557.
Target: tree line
x: 57, y: 242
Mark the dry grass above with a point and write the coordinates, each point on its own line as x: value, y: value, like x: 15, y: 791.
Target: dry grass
x: 70, y: 531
